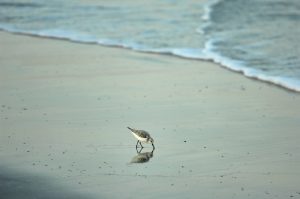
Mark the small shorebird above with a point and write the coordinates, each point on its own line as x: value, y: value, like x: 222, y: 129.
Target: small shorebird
x: 142, y: 136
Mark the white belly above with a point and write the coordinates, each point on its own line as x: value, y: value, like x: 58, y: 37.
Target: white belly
x: 139, y: 138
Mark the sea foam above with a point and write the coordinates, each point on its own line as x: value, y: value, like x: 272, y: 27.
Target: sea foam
x: 198, y: 34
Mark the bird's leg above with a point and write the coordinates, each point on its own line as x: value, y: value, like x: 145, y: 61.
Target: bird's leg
x: 141, y: 144
x: 136, y: 146
x: 152, y: 151
x: 139, y: 150
x: 153, y: 146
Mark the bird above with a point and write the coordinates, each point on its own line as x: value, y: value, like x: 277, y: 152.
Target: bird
x: 142, y: 136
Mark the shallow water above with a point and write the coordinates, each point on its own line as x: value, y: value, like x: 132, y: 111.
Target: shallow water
x: 258, y: 38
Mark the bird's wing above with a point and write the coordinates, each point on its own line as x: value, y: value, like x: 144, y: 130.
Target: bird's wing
x: 142, y: 133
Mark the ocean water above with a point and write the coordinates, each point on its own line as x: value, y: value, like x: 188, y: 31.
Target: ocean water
x: 259, y: 38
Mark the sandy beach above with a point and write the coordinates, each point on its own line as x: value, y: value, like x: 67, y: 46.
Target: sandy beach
x: 64, y: 109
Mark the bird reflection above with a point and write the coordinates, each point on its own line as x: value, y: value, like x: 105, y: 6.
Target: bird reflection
x: 142, y: 157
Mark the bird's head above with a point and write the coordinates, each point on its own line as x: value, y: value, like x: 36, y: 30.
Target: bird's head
x: 151, y: 140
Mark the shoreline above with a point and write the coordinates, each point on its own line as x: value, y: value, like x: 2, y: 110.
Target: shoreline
x: 210, y: 60
x: 65, y: 108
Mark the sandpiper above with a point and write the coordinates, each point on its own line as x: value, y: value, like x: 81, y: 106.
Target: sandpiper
x: 142, y: 136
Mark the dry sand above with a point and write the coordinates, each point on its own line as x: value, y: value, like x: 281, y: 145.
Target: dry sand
x: 64, y: 109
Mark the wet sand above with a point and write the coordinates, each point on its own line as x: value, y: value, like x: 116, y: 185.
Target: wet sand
x: 16, y: 185
x: 65, y: 108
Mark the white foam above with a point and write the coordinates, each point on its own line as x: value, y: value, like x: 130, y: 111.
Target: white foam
x: 239, y: 66
x: 52, y: 33
x: 286, y: 82
x: 208, y: 9
x: 9, y: 28
x: 207, y: 53
x: 190, y: 53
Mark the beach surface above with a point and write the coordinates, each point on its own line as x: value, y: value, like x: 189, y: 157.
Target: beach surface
x: 64, y: 109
